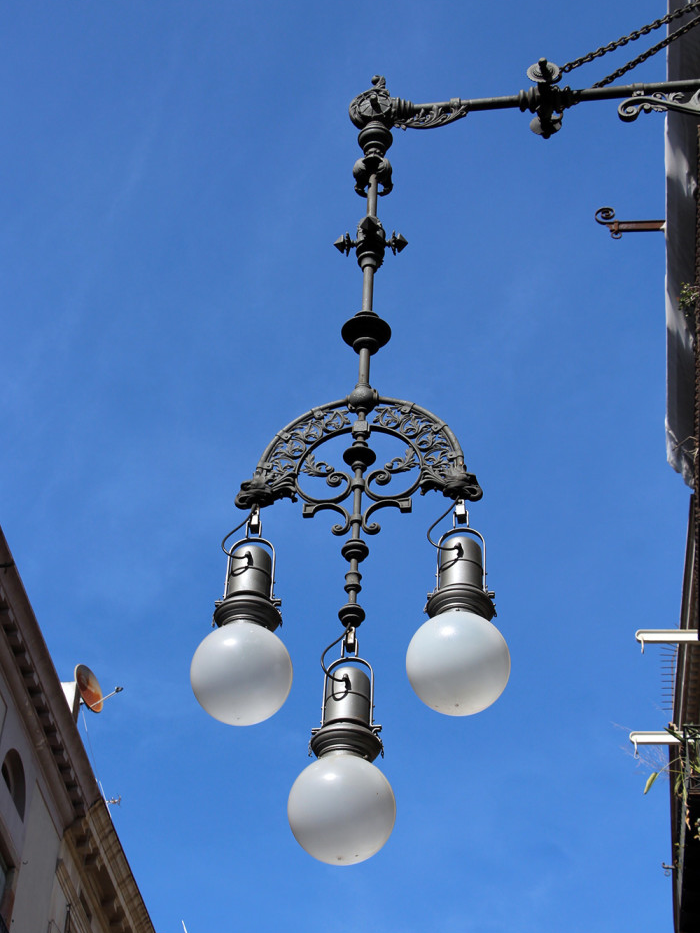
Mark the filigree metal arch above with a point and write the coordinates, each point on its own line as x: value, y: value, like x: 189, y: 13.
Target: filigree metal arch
x: 433, y: 454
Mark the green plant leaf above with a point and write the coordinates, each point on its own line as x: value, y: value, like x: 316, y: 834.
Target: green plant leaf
x: 650, y: 780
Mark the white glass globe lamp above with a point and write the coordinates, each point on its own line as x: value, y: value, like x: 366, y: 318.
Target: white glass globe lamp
x: 341, y: 809
x: 458, y: 663
x: 241, y: 673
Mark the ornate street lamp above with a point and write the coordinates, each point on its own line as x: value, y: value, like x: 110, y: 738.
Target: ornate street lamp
x: 341, y: 808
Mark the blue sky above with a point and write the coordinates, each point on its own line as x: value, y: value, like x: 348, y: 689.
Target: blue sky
x: 174, y: 176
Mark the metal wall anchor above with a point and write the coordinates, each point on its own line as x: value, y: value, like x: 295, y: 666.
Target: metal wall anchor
x: 606, y: 215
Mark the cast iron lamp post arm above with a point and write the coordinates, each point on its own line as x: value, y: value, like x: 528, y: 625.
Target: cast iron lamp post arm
x: 547, y: 100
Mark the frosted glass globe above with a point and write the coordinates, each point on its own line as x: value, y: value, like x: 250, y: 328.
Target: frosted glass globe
x: 341, y: 809
x: 458, y: 663
x: 241, y: 673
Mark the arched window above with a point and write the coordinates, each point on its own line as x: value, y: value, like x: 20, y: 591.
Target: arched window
x: 13, y: 775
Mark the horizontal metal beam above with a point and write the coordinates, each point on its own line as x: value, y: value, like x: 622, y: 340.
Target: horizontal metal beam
x: 574, y: 96
x: 406, y: 114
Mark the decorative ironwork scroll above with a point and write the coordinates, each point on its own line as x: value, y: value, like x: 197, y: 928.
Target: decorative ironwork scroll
x: 432, y: 448
x: 276, y: 475
x: 630, y: 109
x: 426, y: 117
x: 433, y: 460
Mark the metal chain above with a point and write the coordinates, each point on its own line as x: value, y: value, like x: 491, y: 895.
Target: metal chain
x: 652, y: 51
x: 632, y: 37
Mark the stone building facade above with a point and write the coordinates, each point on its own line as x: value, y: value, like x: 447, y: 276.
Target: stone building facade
x: 62, y: 867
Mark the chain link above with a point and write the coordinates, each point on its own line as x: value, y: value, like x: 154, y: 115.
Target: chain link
x: 652, y: 51
x: 632, y: 37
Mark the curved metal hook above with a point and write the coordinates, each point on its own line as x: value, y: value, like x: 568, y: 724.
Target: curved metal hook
x: 246, y: 521
x: 605, y: 216
x: 437, y: 522
x: 327, y: 670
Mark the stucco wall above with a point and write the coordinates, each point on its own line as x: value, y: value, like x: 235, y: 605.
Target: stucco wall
x: 36, y: 877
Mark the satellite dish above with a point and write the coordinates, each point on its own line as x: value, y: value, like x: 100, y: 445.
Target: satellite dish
x: 89, y: 688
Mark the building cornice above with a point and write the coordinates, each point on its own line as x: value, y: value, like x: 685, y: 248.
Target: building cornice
x: 87, y: 830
